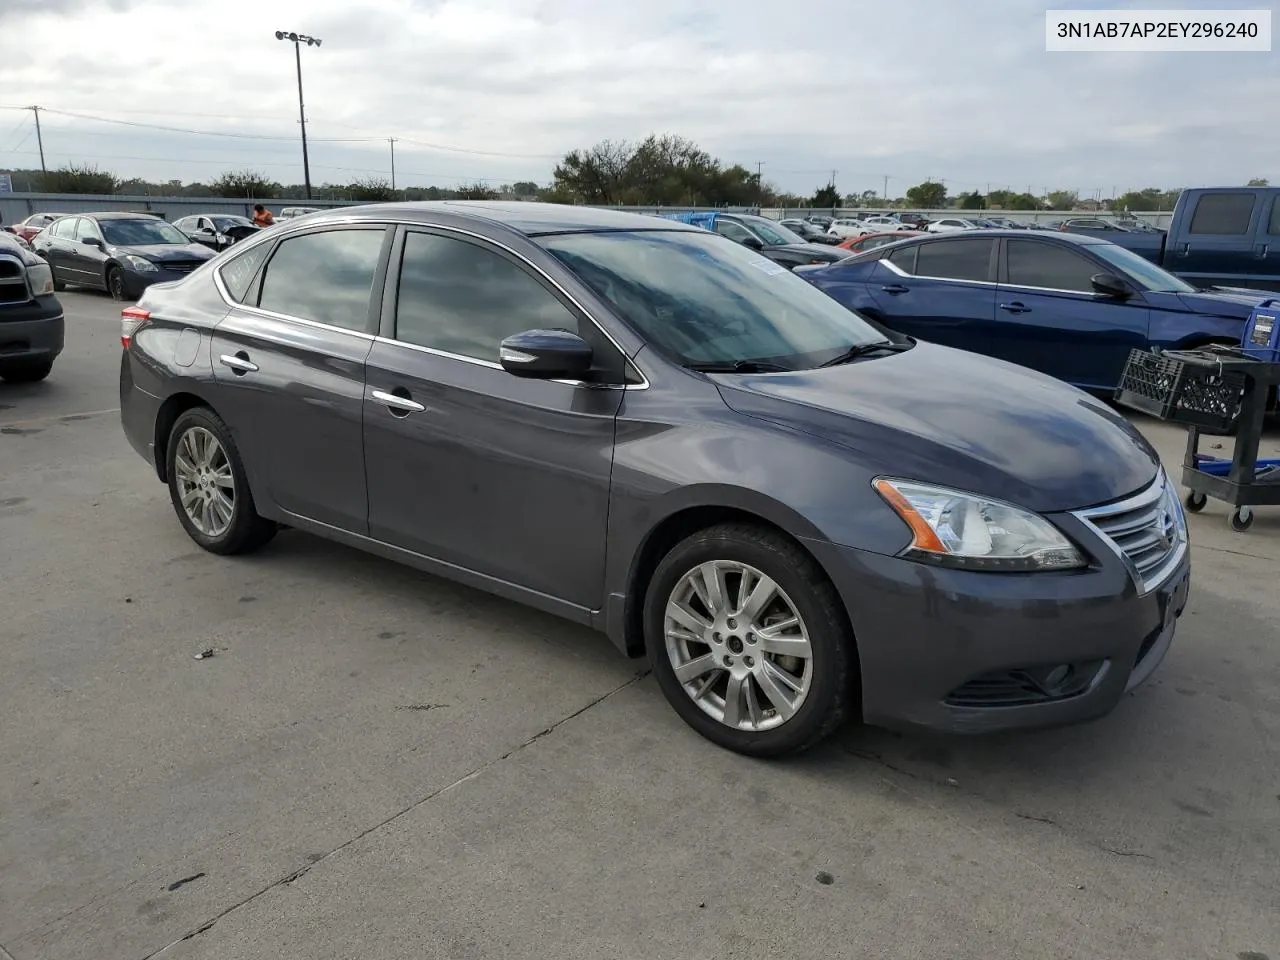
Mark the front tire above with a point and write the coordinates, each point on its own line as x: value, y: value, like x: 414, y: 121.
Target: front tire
x: 115, y: 284
x: 25, y: 371
x: 749, y: 641
x: 208, y: 487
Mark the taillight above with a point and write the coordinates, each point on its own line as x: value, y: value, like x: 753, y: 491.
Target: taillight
x: 130, y: 319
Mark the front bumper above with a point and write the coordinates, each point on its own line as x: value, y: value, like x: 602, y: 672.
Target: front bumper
x: 950, y: 650
x: 35, y: 330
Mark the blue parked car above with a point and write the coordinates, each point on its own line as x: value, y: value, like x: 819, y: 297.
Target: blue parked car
x: 1065, y: 304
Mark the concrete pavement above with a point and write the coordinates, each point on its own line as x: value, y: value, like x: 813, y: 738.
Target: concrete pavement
x: 376, y: 763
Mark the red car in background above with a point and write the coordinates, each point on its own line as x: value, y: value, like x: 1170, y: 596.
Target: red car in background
x: 872, y: 240
x: 28, y: 228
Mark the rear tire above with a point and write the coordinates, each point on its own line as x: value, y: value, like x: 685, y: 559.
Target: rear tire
x: 208, y: 487
x: 25, y: 371
x: 764, y: 681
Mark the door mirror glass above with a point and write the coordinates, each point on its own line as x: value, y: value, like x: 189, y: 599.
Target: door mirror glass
x: 1109, y: 285
x: 753, y: 243
x: 545, y: 355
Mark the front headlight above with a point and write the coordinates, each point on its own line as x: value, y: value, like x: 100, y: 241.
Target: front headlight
x: 40, y: 279
x: 139, y: 264
x: 957, y: 529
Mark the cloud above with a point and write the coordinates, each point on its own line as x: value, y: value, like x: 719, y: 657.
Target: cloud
x: 908, y: 90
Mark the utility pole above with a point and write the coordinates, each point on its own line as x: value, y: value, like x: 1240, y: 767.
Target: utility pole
x: 39, y: 138
x: 298, y: 39
x: 759, y: 186
x: 392, y: 141
x: 886, y: 189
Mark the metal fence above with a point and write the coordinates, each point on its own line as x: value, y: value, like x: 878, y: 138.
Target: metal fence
x: 18, y: 206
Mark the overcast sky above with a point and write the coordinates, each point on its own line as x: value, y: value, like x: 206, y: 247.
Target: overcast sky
x: 910, y: 89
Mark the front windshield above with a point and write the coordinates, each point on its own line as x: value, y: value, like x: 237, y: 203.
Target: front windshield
x: 222, y: 223
x: 129, y: 233
x: 1141, y: 270
x: 774, y: 234
x: 701, y: 300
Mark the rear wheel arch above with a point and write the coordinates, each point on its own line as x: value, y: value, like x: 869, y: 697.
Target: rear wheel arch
x: 174, y: 407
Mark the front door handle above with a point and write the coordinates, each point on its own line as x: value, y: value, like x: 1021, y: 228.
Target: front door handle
x: 1263, y: 251
x: 240, y: 362
x: 1185, y: 249
x: 400, y: 405
x: 895, y: 289
x: 1015, y: 307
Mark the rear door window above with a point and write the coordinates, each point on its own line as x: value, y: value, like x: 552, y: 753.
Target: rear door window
x: 905, y: 259
x: 961, y: 259
x: 1222, y: 214
x: 326, y: 277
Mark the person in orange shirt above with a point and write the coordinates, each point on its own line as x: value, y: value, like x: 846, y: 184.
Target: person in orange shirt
x: 262, y: 216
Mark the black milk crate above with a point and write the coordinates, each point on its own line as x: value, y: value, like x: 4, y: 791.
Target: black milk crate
x: 1182, y: 386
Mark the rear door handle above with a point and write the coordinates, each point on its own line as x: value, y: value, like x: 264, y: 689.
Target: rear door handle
x: 1263, y: 251
x: 1015, y: 307
x: 240, y: 363
x: 396, y: 402
x: 895, y: 289
x: 1186, y: 249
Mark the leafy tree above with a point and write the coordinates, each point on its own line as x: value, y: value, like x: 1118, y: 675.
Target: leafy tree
x: 78, y: 178
x: 245, y: 183
x: 826, y: 198
x: 1062, y: 199
x: 1008, y: 200
x: 1152, y: 198
x: 476, y: 191
x: 524, y: 188
x: 370, y: 189
x: 929, y: 195
x: 973, y: 201
x: 1258, y: 182
x: 660, y: 170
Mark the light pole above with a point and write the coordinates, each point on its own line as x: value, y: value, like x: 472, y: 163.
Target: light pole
x: 298, y: 39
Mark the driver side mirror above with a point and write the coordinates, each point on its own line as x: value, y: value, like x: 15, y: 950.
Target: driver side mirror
x: 1109, y: 285
x: 91, y: 242
x: 545, y: 355
x: 753, y: 243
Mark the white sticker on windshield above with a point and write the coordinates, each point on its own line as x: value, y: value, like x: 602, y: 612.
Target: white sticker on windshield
x: 769, y: 267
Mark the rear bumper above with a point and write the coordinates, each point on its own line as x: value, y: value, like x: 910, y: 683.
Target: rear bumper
x: 35, y: 330
x: 950, y: 650
x: 139, y: 411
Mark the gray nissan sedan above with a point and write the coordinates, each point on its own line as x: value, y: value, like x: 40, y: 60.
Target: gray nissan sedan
x: 649, y: 429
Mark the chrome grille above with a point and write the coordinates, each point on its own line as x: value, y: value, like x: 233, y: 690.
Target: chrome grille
x: 1148, y: 530
x: 180, y: 266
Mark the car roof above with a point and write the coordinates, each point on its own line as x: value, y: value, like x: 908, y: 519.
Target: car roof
x: 115, y: 215
x: 529, y: 218
x: 1054, y: 236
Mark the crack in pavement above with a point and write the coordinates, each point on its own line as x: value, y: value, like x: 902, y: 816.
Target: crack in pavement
x: 82, y: 415
x: 953, y: 784
x: 302, y: 871
x: 5, y: 954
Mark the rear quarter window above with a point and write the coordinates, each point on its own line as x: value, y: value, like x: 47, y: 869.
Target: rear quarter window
x: 1222, y: 214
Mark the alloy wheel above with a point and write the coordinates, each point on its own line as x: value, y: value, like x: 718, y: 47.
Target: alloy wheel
x: 738, y: 645
x: 206, y: 485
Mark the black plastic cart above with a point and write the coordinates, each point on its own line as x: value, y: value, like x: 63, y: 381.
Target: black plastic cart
x: 1215, y: 391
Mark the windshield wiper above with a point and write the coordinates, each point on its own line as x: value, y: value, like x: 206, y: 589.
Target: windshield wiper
x: 865, y: 349
x: 740, y: 366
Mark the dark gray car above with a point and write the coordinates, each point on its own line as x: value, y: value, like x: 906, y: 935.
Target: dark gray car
x: 122, y: 253
x: 654, y: 431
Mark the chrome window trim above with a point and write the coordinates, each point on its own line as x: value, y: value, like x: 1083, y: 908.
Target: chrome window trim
x: 923, y: 276
x: 1161, y: 488
x: 281, y: 236
x: 1027, y: 286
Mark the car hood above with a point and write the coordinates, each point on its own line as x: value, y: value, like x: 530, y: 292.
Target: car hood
x: 1220, y: 302
x: 163, y: 252
x: 939, y: 415
x: 815, y: 250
